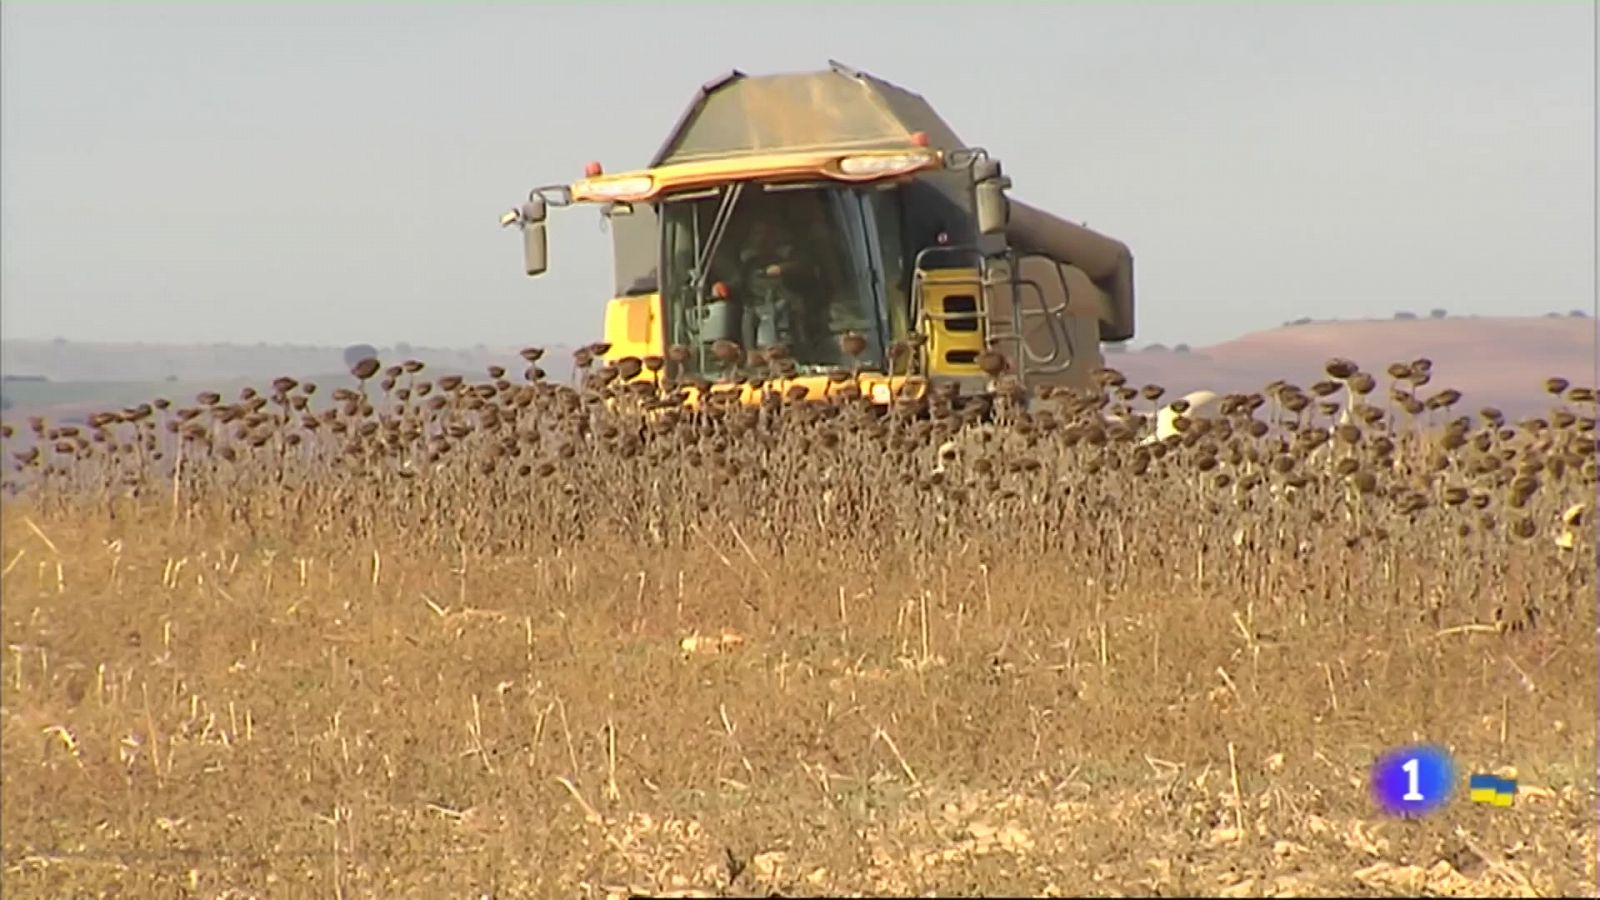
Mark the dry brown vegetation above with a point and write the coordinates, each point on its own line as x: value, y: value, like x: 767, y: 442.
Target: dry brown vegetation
x: 509, y: 639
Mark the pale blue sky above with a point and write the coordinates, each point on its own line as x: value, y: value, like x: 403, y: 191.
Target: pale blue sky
x: 332, y: 173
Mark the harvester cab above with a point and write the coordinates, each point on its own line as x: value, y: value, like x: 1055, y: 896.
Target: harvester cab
x: 799, y: 226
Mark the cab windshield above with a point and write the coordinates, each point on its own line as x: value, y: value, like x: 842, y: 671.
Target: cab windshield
x: 796, y: 266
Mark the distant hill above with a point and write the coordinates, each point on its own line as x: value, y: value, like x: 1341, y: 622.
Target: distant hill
x: 1499, y: 362
x: 72, y: 361
x: 64, y: 380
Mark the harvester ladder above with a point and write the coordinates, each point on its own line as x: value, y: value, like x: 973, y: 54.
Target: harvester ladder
x: 1059, y: 357
x: 1026, y: 360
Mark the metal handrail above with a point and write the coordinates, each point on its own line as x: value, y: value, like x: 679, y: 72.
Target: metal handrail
x: 1056, y: 361
x: 1058, y: 358
x: 919, y: 313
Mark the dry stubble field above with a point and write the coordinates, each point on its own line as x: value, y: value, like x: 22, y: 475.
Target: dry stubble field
x: 494, y: 640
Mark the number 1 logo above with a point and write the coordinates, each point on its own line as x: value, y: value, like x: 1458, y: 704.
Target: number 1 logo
x: 1412, y: 781
x: 1413, y: 770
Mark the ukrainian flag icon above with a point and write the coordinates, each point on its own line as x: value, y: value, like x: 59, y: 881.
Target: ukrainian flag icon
x: 1492, y: 790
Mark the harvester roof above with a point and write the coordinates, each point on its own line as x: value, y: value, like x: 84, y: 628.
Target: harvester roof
x: 749, y: 115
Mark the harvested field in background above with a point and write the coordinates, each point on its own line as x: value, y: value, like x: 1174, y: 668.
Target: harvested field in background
x: 458, y: 639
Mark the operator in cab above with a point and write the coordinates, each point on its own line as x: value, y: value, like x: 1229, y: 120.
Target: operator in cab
x: 773, y: 283
x: 769, y: 252
x: 795, y: 286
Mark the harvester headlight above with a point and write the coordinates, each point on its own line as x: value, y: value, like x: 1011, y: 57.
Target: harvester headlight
x: 881, y: 395
x: 614, y: 188
x: 879, y: 165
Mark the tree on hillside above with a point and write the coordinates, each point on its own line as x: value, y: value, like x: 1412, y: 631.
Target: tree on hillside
x: 357, y: 352
x: 404, y: 348
x: 1180, y: 348
x: 1404, y: 315
x: 1437, y: 314
x: 1578, y: 314
x: 1155, y: 348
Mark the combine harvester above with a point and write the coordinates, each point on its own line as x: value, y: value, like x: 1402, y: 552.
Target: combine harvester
x: 830, y: 221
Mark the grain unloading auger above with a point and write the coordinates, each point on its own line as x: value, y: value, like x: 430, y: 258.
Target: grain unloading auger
x: 807, y: 224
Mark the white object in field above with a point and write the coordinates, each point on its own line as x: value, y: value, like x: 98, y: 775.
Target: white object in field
x: 1201, y: 403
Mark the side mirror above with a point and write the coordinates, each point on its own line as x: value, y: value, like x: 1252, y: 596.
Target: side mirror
x: 535, y: 249
x: 989, y: 189
x: 535, y: 246
x: 993, y: 208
